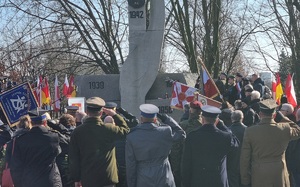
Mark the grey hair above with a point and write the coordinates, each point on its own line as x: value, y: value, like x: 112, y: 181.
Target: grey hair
x: 237, y: 116
x: 255, y: 95
x: 288, y: 108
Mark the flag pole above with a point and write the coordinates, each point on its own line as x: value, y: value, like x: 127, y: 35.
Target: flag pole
x: 213, y: 82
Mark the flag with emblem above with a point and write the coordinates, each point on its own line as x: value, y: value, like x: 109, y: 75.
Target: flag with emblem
x: 72, y: 90
x: 181, y: 95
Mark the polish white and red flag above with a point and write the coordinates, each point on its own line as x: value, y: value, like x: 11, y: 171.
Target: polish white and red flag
x: 66, y: 87
x: 182, y: 94
x: 56, y: 95
x: 209, y: 88
x: 290, y: 91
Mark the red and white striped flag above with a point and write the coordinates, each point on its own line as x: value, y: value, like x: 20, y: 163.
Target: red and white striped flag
x: 210, y: 89
x: 66, y: 87
x: 290, y: 91
x: 181, y: 95
x: 56, y: 96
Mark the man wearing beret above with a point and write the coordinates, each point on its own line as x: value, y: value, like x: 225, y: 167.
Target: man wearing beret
x: 92, y: 147
x: 262, y: 160
x: 205, y: 152
x: 147, y: 149
x: 33, y: 159
x: 193, y: 123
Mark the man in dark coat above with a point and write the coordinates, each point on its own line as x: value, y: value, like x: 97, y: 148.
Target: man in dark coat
x: 231, y: 95
x: 92, y: 155
x: 205, y: 152
x: 33, y: 160
x: 258, y: 84
x: 293, y: 157
x: 194, y: 122
x: 233, y: 168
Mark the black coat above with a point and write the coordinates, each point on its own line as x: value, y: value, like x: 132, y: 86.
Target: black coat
x: 33, y: 161
x: 258, y: 86
x: 204, y: 157
x: 232, y: 94
x: 233, y: 167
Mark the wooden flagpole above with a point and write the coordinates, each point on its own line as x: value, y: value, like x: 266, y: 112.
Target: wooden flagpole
x: 199, y: 60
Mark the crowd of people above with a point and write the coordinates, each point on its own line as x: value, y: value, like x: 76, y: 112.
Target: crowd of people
x: 249, y: 141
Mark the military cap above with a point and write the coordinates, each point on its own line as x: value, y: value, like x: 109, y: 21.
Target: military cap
x: 231, y: 77
x: 37, y: 114
x: 74, y: 108
x: 95, y: 103
x: 110, y: 105
x: 149, y: 110
x: 267, y: 106
x: 196, y: 104
x: 223, y: 73
x: 210, y: 111
x: 238, y: 75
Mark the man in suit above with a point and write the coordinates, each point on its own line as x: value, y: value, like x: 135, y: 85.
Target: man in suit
x: 92, y: 148
x: 205, y: 152
x: 34, y: 154
x: 147, y: 149
x: 262, y: 160
x: 238, y: 129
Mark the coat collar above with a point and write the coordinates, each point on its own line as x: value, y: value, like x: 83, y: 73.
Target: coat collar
x: 146, y: 126
x: 39, y: 128
x: 208, y: 127
x: 268, y: 120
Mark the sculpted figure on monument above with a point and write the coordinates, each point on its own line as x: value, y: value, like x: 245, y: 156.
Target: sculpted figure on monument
x: 136, y: 3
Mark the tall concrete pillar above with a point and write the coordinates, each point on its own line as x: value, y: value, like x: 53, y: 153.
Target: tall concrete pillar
x: 141, y: 66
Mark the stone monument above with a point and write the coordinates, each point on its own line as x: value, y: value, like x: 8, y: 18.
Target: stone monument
x: 145, y: 43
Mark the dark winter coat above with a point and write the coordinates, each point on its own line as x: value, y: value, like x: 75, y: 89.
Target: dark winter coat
x: 204, y: 157
x: 33, y: 161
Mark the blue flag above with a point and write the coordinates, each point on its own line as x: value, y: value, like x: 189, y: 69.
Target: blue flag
x: 17, y: 101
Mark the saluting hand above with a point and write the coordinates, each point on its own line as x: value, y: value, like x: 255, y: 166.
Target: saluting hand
x: 109, y: 112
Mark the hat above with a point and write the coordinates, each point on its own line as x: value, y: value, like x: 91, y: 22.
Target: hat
x: 196, y: 104
x: 231, y: 77
x: 95, y: 103
x: 224, y: 74
x: 37, y: 114
x: 149, y: 110
x: 210, y: 111
x: 72, y: 108
x: 110, y: 105
x: 238, y: 75
x: 267, y: 106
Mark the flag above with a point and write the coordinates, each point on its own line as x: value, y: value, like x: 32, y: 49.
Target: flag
x: 66, y: 87
x: 56, y: 95
x: 290, y: 91
x: 279, y: 90
x: 16, y: 102
x: 72, y: 90
x: 210, y: 89
x: 37, y: 90
x: 274, y: 84
x: 181, y: 95
x: 45, y: 92
x: 208, y: 101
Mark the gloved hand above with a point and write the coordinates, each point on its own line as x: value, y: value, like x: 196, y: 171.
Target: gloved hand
x: 162, y: 117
